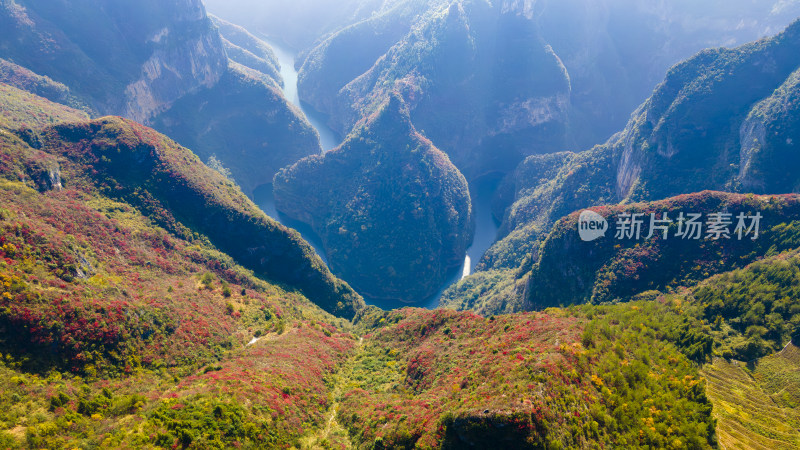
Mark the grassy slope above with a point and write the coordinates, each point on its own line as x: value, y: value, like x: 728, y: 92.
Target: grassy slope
x: 42, y: 86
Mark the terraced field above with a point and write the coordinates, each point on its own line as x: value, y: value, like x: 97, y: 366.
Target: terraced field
x: 756, y: 404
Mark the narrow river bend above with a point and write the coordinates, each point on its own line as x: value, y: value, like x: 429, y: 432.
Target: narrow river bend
x: 481, y: 191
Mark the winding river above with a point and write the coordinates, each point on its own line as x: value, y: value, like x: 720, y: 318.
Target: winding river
x: 328, y: 138
x: 481, y: 191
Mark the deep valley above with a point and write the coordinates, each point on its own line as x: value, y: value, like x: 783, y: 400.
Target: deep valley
x: 397, y: 224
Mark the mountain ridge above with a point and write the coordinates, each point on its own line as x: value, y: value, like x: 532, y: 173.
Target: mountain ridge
x: 406, y: 209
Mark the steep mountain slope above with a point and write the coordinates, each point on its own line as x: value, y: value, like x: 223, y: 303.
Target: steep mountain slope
x: 493, y: 82
x: 92, y: 289
x: 705, y: 121
x: 617, y: 51
x: 724, y: 120
x: 347, y: 54
x: 246, y: 123
x: 144, y: 168
x: 132, y: 59
x: 393, y: 213
x: 563, y: 269
x: 21, y: 109
x: 42, y: 86
x: 250, y: 51
x: 298, y: 23
x: 159, y: 63
x: 704, y: 127
x: 122, y: 324
x: 567, y: 269
x: 481, y: 96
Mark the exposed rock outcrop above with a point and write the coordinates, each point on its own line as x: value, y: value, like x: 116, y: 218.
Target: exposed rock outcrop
x: 491, y: 83
x: 163, y: 63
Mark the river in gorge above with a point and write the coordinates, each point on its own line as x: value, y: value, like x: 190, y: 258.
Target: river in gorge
x: 481, y: 190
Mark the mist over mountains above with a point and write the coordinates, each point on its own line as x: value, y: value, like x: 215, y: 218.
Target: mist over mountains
x: 147, y: 301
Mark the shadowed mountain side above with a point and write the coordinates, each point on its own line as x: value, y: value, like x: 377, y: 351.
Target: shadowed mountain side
x: 167, y: 182
x: 392, y: 211
x: 724, y: 120
x: 246, y: 123
x: 213, y: 87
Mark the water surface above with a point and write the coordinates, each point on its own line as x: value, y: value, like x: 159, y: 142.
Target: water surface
x: 481, y: 191
x: 328, y: 138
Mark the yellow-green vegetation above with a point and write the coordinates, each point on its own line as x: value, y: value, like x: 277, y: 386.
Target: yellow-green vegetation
x: 757, y: 404
x: 116, y: 332
x: 754, y: 311
x: 561, y: 379
x: 171, y: 186
x: 20, y: 108
x: 486, y: 292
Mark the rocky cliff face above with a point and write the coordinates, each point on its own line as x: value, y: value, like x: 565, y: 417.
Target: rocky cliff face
x: 394, y: 214
x: 249, y: 51
x: 493, y: 82
x: 165, y: 64
x: 125, y: 58
x: 702, y: 126
x: 725, y: 119
x: 616, y: 51
x: 187, y: 55
x: 769, y: 139
x: 477, y: 79
x: 299, y: 23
